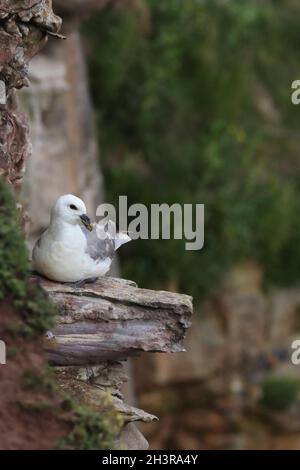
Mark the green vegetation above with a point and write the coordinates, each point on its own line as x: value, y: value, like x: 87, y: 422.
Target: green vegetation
x: 279, y: 393
x: 193, y: 106
x: 13, y: 255
x: 36, y: 312
x: 91, y: 430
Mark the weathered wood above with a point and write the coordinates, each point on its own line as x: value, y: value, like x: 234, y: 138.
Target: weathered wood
x: 113, y: 319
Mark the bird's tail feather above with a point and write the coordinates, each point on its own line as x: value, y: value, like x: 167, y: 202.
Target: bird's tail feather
x: 121, y: 239
x: 109, y: 228
x: 103, y: 266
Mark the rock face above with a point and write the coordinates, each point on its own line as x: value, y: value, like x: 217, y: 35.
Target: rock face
x: 64, y: 158
x: 63, y: 138
x: 14, y: 141
x: 64, y: 143
x: 24, y: 28
x: 113, y: 320
x: 103, y: 324
x: 23, y: 31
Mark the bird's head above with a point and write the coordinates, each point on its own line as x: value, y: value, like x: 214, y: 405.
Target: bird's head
x: 71, y: 209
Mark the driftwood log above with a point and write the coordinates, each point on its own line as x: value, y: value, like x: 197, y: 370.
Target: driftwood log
x: 104, y: 323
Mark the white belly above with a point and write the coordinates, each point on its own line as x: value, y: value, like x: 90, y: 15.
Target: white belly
x: 63, y: 261
x: 67, y: 260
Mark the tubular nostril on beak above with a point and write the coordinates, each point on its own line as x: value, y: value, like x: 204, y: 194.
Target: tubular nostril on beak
x: 86, y: 222
x: 85, y: 219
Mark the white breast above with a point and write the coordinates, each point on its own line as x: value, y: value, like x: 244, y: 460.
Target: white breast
x: 60, y: 256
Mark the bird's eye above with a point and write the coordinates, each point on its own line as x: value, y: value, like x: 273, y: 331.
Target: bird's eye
x: 73, y: 207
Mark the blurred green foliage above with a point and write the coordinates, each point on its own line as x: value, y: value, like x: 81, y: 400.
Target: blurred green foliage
x: 193, y: 106
x: 279, y: 393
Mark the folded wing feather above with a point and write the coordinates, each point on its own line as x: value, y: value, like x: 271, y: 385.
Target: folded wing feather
x: 103, y: 240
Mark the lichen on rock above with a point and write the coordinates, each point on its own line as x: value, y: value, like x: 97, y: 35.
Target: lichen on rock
x: 23, y: 31
x: 24, y: 27
x: 14, y: 144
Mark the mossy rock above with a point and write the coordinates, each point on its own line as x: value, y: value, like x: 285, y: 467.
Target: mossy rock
x: 36, y: 311
x: 91, y: 430
x: 13, y: 256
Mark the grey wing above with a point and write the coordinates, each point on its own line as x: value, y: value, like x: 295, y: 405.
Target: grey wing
x: 98, y: 248
x: 39, y: 240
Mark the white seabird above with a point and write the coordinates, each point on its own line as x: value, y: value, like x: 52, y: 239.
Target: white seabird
x: 72, y: 249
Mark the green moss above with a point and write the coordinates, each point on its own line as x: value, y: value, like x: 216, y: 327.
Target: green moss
x: 13, y: 256
x: 91, y: 429
x: 279, y: 393
x: 36, y: 311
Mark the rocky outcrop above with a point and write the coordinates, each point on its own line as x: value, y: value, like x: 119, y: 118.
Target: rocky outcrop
x: 24, y: 28
x: 14, y: 140
x: 113, y: 320
x: 101, y: 325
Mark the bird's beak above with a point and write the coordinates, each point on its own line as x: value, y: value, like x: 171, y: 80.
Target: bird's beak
x: 86, y: 222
